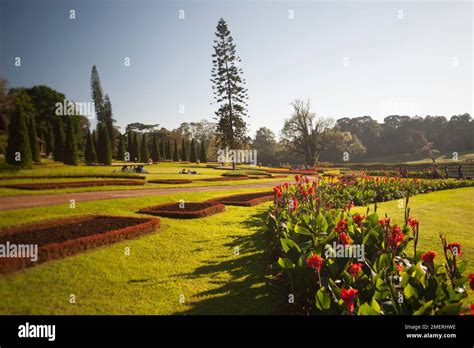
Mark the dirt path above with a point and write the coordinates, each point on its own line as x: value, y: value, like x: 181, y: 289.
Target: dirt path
x: 19, y: 202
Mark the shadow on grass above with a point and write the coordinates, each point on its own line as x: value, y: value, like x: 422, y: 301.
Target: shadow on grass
x: 250, y: 289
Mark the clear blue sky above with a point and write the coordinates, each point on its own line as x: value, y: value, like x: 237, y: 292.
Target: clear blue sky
x: 420, y: 64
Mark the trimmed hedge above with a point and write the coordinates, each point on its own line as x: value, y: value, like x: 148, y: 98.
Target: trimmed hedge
x: 58, y: 185
x: 227, y: 178
x: 245, y: 199
x: 37, y: 233
x: 74, y: 176
x: 170, y: 181
x: 190, y: 211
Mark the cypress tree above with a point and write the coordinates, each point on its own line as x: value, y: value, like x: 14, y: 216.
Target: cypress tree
x: 136, y: 147
x: 104, y: 150
x: 59, y: 140
x: 70, y: 146
x: 155, y: 150
x: 49, y: 140
x: 130, y: 147
x: 169, y: 155
x: 18, y: 148
x: 184, y: 153
x: 175, y: 152
x: 162, y: 150
x: 193, y: 156
x: 33, y: 135
x: 144, y: 156
x: 90, y: 155
x: 203, y: 155
x: 121, y: 148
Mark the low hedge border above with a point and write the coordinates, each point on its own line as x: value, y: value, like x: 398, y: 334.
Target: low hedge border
x: 70, y: 247
x: 174, y: 211
x: 226, y: 178
x: 246, y: 199
x: 58, y: 185
x: 170, y: 181
x: 77, y: 176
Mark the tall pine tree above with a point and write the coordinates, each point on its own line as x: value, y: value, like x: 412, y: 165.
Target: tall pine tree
x: 162, y: 150
x: 136, y: 146
x: 229, y: 90
x: 155, y: 150
x: 193, y: 155
x: 130, y: 146
x: 49, y: 140
x: 104, y: 152
x: 168, y: 150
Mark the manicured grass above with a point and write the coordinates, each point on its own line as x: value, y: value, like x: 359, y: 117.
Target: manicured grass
x: 450, y: 212
x: 197, y: 259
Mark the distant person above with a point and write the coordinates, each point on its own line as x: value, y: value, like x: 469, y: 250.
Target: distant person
x: 124, y: 169
x: 446, y: 171
x: 460, y: 172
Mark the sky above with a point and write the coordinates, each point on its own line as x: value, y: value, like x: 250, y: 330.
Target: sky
x: 348, y: 58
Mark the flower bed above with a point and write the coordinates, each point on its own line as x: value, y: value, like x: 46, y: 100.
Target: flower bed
x: 185, y: 210
x: 170, y: 181
x: 64, y: 237
x: 245, y: 199
x: 338, y: 262
x: 59, y: 185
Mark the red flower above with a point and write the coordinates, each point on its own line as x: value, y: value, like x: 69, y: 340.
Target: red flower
x: 428, y: 257
x: 472, y: 308
x: 358, y: 219
x: 396, y: 237
x: 455, y: 248
x: 354, y: 269
x: 297, y: 178
x: 384, y: 222
x: 349, y: 297
x: 341, y: 226
x: 277, y: 191
x: 349, y: 205
x: 400, y: 268
x: 413, y: 222
x: 315, y: 262
x: 344, y: 238
x: 304, y: 193
x: 311, y: 190
x: 306, y: 179
x: 286, y: 185
x: 471, y: 280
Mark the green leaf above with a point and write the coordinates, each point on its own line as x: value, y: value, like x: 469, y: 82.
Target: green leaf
x: 323, y: 299
x: 425, y: 309
x: 321, y: 222
x: 286, y: 263
x: 410, y: 291
x: 302, y: 230
x: 287, y: 244
x: 365, y: 309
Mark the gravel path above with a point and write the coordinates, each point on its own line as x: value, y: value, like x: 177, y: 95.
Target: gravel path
x: 19, y: 202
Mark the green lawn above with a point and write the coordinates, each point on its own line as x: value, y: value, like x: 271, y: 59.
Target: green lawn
x: 193, y: 258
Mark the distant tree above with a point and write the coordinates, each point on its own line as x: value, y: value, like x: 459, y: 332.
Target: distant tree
x: 229, y: 91
x: 193, y: 155
x: 70, y: 146
x: 184, y: 154
x: 130, y: 146
x: 203, y: 155
x: 121, y: 148
x: 168, y: 150
x: 266, y: 145
x: 97, y: 96
x: 162, y: 150
x: 109, y: 120
x: 155, y: 150
x: 422, y: 145
x: 95, y: 138
x: 59, y: 140
x: 175, y: 152
x: 18, y: 148
x: 104, y: 152
x: 33, y: 135
x: 90, y: 155
x: 136, y: 146
x: 49, y: 140
x: 140, y: 127
x: 305, y: 134
x: 144, y: 155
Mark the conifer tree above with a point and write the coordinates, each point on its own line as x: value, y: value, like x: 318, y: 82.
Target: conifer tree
x: 18, y: 148
x: 121, y: 148
x: 130, y: 146
x: 70, y: 146
x: 136, y: 146
x: 104, y: 151
x: 144, y: 156
x: 33, y: 135
x: 193, y: 155
x: 59, y: 140
x: 155, y: 150
x: 203, y: 155
x: 162, y: 150
x: 90, y: 155
x: 175, y: 152
x: 168, y: 150
x: 184, y: 152
x: 49, y: 140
